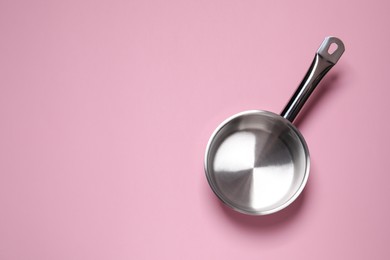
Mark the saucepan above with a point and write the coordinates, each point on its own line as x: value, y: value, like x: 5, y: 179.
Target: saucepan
x: 257, y: 162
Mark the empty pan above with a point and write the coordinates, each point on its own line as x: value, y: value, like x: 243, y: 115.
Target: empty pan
x: 257, y: 162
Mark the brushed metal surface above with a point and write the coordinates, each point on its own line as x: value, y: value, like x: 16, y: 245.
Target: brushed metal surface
x: 257, y: 162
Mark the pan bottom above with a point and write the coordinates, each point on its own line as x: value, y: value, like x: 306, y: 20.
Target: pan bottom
x: 257, y: 162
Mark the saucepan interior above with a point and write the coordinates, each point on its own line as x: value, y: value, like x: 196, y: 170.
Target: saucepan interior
x: 257, y: 162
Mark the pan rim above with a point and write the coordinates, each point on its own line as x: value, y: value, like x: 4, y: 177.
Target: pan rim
x: 296, y: 194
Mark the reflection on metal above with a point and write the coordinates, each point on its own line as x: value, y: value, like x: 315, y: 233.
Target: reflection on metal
x: 257, y: 162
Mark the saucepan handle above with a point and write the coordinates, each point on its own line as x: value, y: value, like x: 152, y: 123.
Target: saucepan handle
x: 324, y: 60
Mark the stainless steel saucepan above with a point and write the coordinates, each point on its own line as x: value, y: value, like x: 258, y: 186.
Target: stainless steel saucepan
x: 257, y: 162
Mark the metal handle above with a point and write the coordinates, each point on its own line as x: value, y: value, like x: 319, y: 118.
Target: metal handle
x: 323, y: 61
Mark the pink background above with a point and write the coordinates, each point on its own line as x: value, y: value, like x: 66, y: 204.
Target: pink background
x: 106, y: 108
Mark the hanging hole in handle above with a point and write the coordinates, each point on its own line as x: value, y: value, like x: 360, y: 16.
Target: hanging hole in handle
x: 332, y: 48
